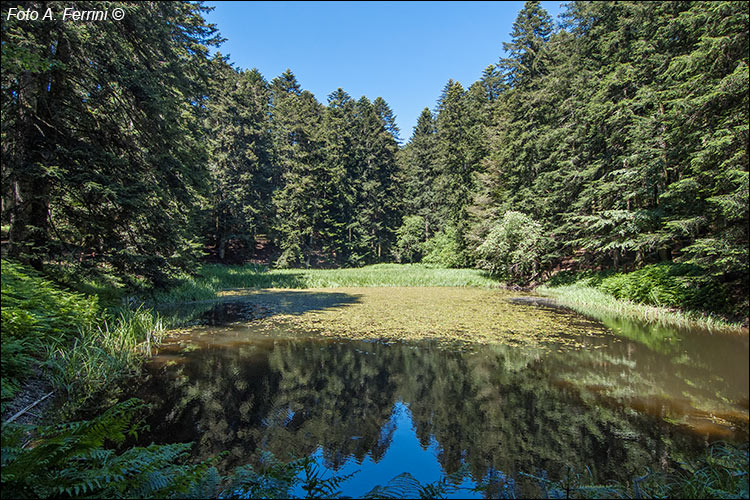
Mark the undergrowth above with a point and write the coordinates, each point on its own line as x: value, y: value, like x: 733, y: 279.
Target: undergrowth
x: 80, y: 347
x: 677, y: 295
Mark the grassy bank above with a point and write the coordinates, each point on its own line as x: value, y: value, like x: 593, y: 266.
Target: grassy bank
x: 213, y: 278
x: 593, y: 302
x: 76, y: 347
x: 667, y: 294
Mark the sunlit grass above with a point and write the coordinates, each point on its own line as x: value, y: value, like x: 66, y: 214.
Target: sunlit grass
x: 593, y: 302
x: 213, y: 278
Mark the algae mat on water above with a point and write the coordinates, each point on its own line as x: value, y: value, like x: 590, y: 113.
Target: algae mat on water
x: 415, y: 313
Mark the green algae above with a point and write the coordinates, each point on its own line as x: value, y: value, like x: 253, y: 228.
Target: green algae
x: 690, y: 378
x: 444, y: 314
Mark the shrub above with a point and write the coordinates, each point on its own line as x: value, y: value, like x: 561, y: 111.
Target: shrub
x: 670, y: 285
x: 443, y: 249
x: 512, y: 248
x: 409, y: 238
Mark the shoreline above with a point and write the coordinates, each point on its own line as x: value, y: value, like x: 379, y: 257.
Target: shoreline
x: 591, y: 301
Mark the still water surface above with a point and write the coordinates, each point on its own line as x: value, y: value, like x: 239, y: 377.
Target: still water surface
x: 422, y: 380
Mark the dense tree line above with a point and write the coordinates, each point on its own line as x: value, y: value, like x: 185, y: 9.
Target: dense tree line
x: 623, y: 132
x: 619, y: 136
x: 127, y: 145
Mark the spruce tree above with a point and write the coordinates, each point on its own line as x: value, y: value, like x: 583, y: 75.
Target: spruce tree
x: 297, y: 154
x: 104, y: 161
x: 240, y: 152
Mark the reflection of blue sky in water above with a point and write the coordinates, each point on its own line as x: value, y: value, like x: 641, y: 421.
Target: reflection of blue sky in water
x: 405, y: 454
x: 630, y: 399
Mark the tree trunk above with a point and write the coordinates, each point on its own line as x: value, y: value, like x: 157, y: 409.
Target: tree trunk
x: 40, y: 101
x: 222, y: 247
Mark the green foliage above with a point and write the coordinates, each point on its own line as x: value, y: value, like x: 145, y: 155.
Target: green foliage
x: 82, y: 459
x: 682, y: 286
x: 409, y: 239
x: 670, y: 285
x: 513, y: 248
x: 722, y: 472
x: 36, y: 313
x: 443, y: 249
x: 100, y: 358
x: 71, y: 460
x: 336, y: 200
x: 82, y: 350
x: 34, y: 307
x: 623, y: 134
x: 16, y: 363
x: 407, y: 486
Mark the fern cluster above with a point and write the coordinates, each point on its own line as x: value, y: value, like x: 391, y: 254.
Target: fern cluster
x: 36, y: 313
x: 80, y: 347
x: 684, y: 286
x: 76, y: 459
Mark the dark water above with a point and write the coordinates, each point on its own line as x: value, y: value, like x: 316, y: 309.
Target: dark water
x: 630, y: 400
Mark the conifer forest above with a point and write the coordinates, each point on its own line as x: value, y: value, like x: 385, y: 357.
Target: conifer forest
x: 216, y: 285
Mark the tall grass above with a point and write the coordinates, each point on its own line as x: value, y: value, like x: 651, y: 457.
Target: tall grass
x: 594, y: 302
x: 100, y: 357
x: 213, y: 278
x: 81, y: 348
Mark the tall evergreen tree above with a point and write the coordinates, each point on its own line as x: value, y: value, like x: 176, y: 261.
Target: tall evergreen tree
x: 240, y: 152
x: 531, y: 30
x: 418, y: 172
x: 375, y: 217
x: 296, y: 129
x: 104, y: 159
x: 458, y: 157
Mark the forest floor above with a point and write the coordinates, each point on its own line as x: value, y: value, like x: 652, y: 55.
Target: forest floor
x: 34, y: 391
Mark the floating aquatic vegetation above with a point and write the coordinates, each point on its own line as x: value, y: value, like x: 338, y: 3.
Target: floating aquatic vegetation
x: 444, y: 314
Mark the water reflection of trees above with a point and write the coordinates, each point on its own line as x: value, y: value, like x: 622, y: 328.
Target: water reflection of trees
x: 500, y: 407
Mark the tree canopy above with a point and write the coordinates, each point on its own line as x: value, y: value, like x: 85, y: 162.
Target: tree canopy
x: 622, y: 131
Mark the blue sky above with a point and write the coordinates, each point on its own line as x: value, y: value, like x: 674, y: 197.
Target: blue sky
x: 404, y: 52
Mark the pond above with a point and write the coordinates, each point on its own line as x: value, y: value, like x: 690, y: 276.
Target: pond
x: 422, y: 380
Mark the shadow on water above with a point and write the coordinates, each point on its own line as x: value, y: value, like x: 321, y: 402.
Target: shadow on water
x: 629, y: 400
x: 255, y: 305
x: 496, y: 408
